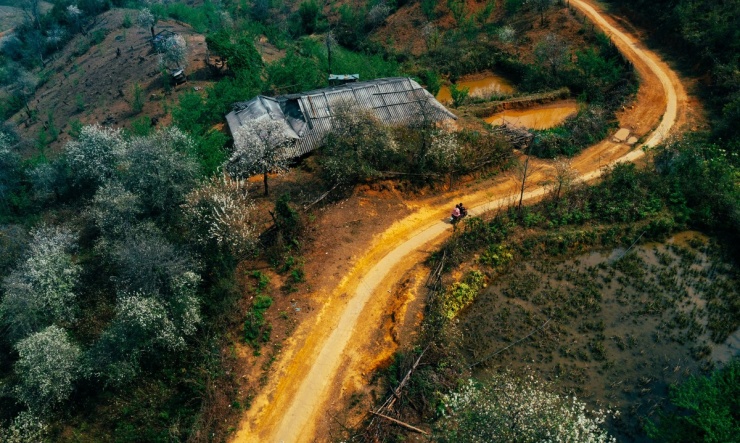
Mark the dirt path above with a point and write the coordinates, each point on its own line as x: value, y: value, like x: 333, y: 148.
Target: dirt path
x: 325, y: 354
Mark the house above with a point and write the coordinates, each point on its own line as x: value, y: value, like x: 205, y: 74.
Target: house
x: 307, y: 116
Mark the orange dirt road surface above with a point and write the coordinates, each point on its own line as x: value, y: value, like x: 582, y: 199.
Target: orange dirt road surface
x: 325, y: 355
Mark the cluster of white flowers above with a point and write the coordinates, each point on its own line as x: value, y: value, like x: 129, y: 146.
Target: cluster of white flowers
x: 221, y: 210
x: 47, y: 365
x: 40, y: 290
x: 506, y: 34
x: 507, y: 408
x: 74, y: 11
x: 444, y: 148
x: 377, y: 14
x: 95, y: 154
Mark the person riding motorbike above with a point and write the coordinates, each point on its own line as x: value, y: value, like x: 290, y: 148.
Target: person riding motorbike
x: 459, y: 212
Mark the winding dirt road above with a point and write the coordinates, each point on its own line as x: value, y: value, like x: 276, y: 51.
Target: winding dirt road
x: 328, y: 354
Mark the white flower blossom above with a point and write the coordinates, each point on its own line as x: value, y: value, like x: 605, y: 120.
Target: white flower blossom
x: 510, y: 409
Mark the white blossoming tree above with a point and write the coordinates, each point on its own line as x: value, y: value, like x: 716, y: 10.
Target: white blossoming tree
x: 146, y: 262
x: 259, y: 149
x: 443, y: 150
x: 174, y: 51
x: 93, y: 157
x: 510, y: 409
x: 115, y: 210
x: 147, y: 20
x: 47, y: 367
x: 40, y: 290
x: 144, y: 325
x: 221, y: 211
x: 159, y: 169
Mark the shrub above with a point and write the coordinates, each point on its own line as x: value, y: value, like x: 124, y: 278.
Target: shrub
x: 461, y: 294
x: 256, y: 331
x: 47, y: 367
x: 459, y: 95
x: 287, y: 219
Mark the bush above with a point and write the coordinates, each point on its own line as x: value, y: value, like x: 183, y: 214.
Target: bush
x: 461, y: 294
x: 256, y: 329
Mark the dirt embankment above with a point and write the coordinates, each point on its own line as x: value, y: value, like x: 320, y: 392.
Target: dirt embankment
x: 331, y: 352
x: 484, y: 110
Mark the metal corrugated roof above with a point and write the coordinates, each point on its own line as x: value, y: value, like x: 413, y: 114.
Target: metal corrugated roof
x: 309, y: 115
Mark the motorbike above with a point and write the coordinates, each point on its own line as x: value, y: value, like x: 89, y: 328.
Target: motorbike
x: 463, y: 212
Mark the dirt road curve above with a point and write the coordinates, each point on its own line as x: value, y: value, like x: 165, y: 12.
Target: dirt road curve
x: 317, y: 363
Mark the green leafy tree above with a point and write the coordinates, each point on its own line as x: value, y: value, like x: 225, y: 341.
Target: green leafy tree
x: 707, y: 409
x: 357, y: 148
x: 309, y: 13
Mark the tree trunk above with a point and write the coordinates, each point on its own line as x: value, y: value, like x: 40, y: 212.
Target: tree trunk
x: 265, y: 180
x: 524, y: 181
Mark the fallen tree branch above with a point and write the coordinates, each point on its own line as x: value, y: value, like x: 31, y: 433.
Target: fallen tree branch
x: 400, y: 423
x: 323, y: 196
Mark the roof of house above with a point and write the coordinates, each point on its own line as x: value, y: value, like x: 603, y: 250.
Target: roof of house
x: 307, y: 116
